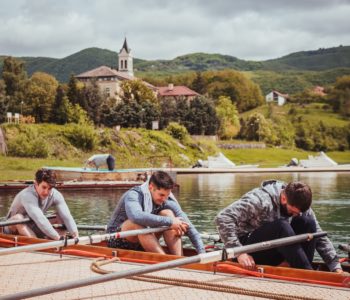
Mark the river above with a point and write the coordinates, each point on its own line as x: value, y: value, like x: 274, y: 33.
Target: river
x: 203, y: 196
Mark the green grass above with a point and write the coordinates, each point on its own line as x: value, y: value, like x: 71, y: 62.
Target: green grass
x: 313, y: 112
x: 14, y: 168
x: 20, y: 168
x: 274, y: 157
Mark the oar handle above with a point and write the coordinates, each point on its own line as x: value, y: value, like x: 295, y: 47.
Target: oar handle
x: 23, y: 221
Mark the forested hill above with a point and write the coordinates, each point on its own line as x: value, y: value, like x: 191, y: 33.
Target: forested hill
x: 317, y: 60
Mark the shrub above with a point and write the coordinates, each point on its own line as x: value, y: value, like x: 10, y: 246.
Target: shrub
x: 26, y: 146
x: 82, y: 136
x: 177, y: 131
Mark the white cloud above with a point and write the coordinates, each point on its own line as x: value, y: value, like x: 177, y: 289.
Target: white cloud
x: 164, y: 29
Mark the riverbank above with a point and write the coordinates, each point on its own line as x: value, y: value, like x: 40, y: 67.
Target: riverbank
x: 19, y: 168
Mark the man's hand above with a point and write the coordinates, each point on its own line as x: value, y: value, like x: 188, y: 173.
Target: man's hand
x: 246, y: 261
x: 179, y: 226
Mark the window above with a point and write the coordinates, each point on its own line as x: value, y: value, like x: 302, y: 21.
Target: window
x: 121, y: 64
x: 107, y: 91
x: 126, y: 64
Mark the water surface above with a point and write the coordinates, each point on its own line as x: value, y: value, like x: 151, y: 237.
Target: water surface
x: 203, y: 196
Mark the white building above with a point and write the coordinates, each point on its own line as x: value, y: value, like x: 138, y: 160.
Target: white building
x: 277, y: 98
x: 109, y: 79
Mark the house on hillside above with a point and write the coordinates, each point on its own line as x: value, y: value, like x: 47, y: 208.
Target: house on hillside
x: 109, y: 79
x: 318, y: 91
x: 276, y: 97
x: 176, y: 92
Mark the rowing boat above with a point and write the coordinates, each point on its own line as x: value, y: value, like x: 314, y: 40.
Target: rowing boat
x: 82, y: 174
x: 100, y: 250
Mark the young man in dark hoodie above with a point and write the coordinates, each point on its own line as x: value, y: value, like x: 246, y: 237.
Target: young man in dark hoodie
x: 275, y: 210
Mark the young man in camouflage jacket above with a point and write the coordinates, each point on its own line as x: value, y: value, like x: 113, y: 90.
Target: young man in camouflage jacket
x: 275, y: 210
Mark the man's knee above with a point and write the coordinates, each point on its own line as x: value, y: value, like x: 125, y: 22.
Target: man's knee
x: 285, y: 228
x: 17, y: 217
x: 166, y: 213
x: 303, y: 224
x: 129, y: 225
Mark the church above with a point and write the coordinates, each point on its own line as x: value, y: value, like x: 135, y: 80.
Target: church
x: 109, y: 79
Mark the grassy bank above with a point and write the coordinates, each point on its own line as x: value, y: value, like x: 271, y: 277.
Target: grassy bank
x: 274, y: 157
x: 17, y: 168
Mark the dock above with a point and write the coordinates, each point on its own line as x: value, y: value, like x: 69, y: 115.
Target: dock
x: 339, y: 168
x: 32, y: 270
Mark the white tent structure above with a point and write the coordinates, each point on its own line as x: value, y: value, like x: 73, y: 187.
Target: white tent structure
x: 322, y: 160
x: 220, y: 162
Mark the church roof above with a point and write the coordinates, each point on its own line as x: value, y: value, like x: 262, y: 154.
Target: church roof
x: 125, y: 46
x: 104, y: 71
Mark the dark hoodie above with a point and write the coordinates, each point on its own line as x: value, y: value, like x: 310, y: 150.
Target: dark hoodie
x: 259, y: 206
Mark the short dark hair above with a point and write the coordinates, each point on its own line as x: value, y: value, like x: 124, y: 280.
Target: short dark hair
x: 162, y: 180
x: 46, y: 175
x: 299, y: 195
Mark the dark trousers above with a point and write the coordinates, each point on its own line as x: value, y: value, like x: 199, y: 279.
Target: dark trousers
x: 110, y: 162
x: 298, y: 255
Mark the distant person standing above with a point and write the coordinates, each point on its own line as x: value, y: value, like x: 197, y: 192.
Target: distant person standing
x: 98, y: 160
x: 33, y: 202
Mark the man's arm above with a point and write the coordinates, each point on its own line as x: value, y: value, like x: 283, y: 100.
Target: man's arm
x: 326, y: 249
x: 36, y: 214
x: 136, y: 215
x: 64, y: 214
x: 192, y: 232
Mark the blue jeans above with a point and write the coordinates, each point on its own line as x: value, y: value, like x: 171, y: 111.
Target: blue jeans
x: 297, y: 255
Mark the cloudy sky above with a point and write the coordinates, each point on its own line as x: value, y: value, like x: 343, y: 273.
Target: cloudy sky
x: 164, y: 29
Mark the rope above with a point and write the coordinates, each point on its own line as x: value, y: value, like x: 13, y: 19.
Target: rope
x: 96, y: 267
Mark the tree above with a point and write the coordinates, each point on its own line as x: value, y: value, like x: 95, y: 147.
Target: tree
x: 74, y: 93
x: 13, y: 74
x: 199, y: 84
x: 59, y: 113
x: 339, y: 97
x: 40, y: 96
x: 4, y: 102
x: 257, y: 128
x: 138, y: 106
x: 15, y: 78
x: 229, y: 118
x: 241, y: 90
x: 136, y: 90
x: 202, y: 119
x: 93, y: 99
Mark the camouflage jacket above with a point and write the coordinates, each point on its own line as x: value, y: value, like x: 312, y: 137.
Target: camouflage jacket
x: 257, y: 207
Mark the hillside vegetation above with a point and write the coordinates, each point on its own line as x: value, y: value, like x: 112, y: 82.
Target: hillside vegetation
x: 316, y: 60
x: 75, y: 143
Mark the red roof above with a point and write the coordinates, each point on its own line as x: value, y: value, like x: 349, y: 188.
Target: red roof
x: 179, y: 90
x: 282, y: 95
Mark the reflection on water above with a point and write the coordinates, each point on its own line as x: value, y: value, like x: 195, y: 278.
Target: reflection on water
x: 203, y: 196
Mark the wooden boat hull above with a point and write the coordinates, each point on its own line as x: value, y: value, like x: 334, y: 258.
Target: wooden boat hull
x: 100, y: 250
x: 81, y: 174
x: 74, y: 185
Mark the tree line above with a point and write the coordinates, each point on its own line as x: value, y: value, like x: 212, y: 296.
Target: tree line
x: 223, y: 96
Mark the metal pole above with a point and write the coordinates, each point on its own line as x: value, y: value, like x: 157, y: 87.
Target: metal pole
x: 212, y: 237
x: 85, y: 240
x: 23, y: 221
x: 200, y: 258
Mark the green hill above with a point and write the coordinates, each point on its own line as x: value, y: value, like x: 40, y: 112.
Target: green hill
x: 318, y: 60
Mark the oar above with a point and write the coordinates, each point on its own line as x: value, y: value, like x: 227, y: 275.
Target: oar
x: 23, y: 221
x: 200, y: 258
x: 85, y: 240
x: 83, y: 227
x: 213, y: 237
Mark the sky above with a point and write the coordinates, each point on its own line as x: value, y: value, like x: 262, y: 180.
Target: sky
x: 165, y: 29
